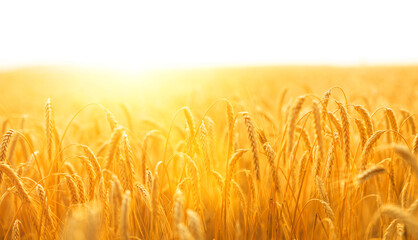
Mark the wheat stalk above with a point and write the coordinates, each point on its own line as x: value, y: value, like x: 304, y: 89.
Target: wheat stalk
x: 305, y: 137
x: 124, y: 219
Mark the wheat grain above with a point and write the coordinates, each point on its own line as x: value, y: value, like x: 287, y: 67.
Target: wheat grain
x: 321, y: 189
x: 45, y: 212
x: 195, y: 225
x: 251, y: 136
x: 113, y: 145
x: 218, y: 177
x: 411, y: 120
x: 346, y: 132
x: 17, y: 183
x: 368, y: 147
x: 205, y: 147
x: 73, y: 190
x: 324, y: 101
x: 16, y: 230
x: 407, y: 156
x: 194, y: 172
x: 50, y: 127
x: 231, y: 125
x: 210, y: 126
x: 305, y: 137
x: 192, y: 129
x: 145, y: 196
x: 178, y: 211
x: 103, y: 195
x: 392, y: 120
x: 129, y: 161
x: 366, y: 118
x: 271, y: 156
x: 402, y: 216
x: 318, y: 133
x: 362, y: 131
x: 231, y: 169
x: 113, y: 123
x: 328, y: 210
x: 80, y: 186
x: 367, y: 174
x: 91, y: 176
x: 184, y: 232
x: 415, y: 145
x: 330, y: 160
x: 92, y: 159
x: 122, y: 167
x: 292, y: 122
x: 155, y: 201
x: 5, y: 140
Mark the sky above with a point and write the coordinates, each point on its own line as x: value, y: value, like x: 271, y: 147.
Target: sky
x: 137, y: 35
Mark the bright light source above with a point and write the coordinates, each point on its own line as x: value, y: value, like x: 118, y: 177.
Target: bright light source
x: 153, y: 34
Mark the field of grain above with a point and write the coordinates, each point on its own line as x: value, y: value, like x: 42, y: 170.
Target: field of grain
x: 244, y: 153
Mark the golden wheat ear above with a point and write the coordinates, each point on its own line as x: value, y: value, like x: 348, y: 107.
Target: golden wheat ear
x: 252, y: 137
x: 49, y: 128
x: 16, y: 230
x: 294, y: 112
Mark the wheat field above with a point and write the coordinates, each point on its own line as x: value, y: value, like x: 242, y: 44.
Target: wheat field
x: 245, y: 153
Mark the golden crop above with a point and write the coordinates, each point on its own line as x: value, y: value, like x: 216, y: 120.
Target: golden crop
x: 255, y: 153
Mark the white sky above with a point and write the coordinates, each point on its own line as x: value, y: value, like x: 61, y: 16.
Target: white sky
x: 143, y: 34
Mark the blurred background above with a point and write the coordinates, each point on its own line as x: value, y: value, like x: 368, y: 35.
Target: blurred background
x: 155, y: 51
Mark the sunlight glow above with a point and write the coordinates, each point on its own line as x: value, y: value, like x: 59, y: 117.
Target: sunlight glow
x: 141, y: 35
